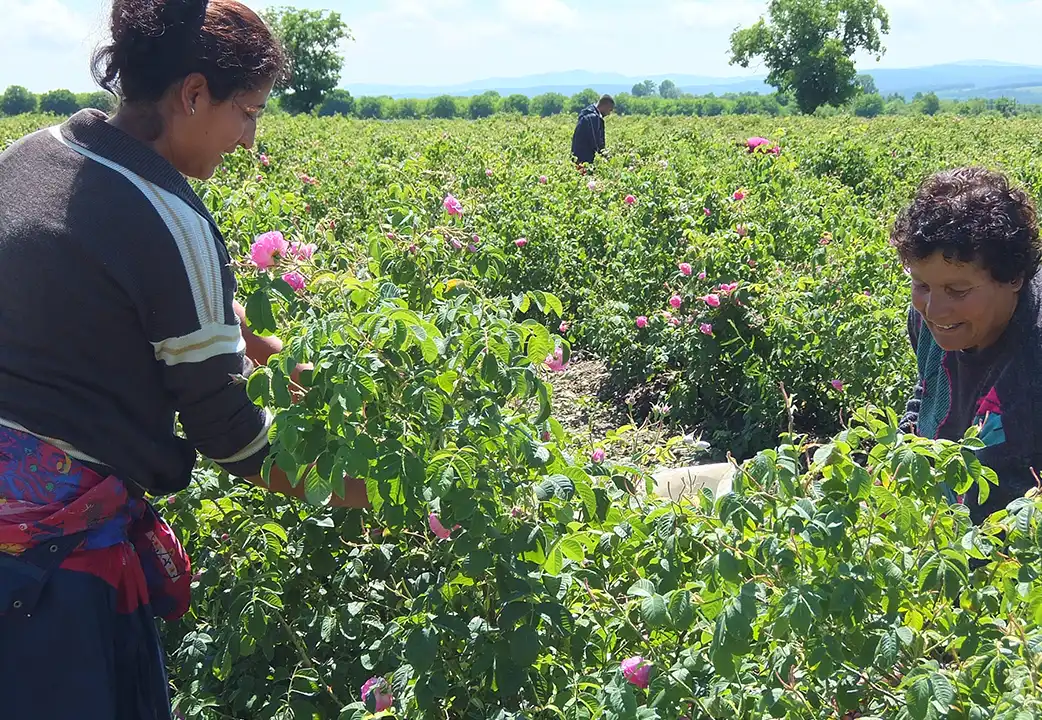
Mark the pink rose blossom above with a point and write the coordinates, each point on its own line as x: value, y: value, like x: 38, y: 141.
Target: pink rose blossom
x: 264, y: 160
x: 739, y: 195
x: 295, y: 280
x: 705, y: 329
x: 674, y: 321
x: 555, y: 362
x: 597, y: 456
x: 521, y: 242
x: 712, y: 300
x: 837, y: 385
x: 642, y: 321
x: 702, y: 275
x: 637, y: 671
x: 437, y: 528
x: 563, y: 328
x: 381, y: 693
x: 675, y: 302
x: 543, y: 180
x: 685, y: 268
x: 755, y: 142
x: 412, y: 249
x: 303, y: 251
x: 630, y: 200
x: 488, y: 172
x: 728, y: 288
x: 266, y: 247
x: 453, y: 206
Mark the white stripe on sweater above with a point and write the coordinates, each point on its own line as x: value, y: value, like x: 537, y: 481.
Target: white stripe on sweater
x: 197, y: 246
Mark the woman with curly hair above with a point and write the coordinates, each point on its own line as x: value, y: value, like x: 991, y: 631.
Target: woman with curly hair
x: 970, y: 243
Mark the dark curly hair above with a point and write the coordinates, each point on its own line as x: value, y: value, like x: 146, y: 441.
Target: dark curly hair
x: 971, y: 214
x: 156, y: 43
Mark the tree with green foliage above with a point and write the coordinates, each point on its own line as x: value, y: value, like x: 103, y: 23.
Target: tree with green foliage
x: 483, y: 105
x: 868, y: 106
x: 98, y: 100
x: 442, y: 107
x: 310, y: 38
x: 927, y: 104
x: 371, y: 108
x: 516, y: 103
x: 867, y: 84
x: 582, y: 99
x: 669, y: 90
x: 338, y: 102
x: 1006, y: 106
x: 407, y: 108
x: 17, y: 100
x: 807, y: 45
x: 644, y: 89
x: 59, y: 102
x: 548, y: 104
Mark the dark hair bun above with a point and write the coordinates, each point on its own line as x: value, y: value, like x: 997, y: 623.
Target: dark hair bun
x: 156, y: 43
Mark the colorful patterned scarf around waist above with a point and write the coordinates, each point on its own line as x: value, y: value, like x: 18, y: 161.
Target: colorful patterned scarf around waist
x: 46, y: 495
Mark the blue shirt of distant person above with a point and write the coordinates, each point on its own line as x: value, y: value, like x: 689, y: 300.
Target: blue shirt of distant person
x: 588, y: 137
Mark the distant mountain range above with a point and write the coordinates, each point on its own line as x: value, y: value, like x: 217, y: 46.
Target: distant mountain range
x: 957, y: 81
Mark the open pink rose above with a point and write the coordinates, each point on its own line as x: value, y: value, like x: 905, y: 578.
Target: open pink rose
x: 675, y: 302
x: 642, y: 321
x: 380, y: 690
x: 543, y: 180
x: 597, y: 456
x: 453, y: 206
x: 303, y: 251
x: 265, y: 249
x: 837, y: 385
x: 712, y: 300
x: 705, y: 329
x: 685, y: 268
x: 521, y: 242
x: 637, y: 671
x: 295, y: 280
x: 555, y: 362
x: 630, y: 200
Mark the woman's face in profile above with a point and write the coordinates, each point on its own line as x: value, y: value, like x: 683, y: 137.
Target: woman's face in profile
x: 217, y: 129
x: 963, y: 306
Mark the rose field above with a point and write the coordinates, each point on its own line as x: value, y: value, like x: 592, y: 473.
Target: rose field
x: 444, y: 278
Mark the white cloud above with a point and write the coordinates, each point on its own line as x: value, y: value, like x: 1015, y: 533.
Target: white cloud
x: 716, y: 15
x: 548, y: 13
x: 49, y: 21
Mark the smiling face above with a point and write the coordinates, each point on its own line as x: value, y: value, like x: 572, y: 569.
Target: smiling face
x: 963, y: 306
x: 198, y: 141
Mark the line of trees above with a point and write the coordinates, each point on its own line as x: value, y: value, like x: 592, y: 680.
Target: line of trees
x: 868, y: 103
x: 17, y: 100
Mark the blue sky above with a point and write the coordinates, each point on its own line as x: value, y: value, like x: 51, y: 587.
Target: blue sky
x: 46, y: 44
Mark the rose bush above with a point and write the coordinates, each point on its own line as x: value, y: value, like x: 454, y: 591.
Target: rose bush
x: 507, y: 572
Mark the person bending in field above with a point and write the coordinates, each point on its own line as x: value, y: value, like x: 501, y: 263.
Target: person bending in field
x: 117, y: 315
x: 970, y: 243
x: 588, y: 136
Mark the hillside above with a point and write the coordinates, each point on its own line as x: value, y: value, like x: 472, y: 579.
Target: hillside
x: 956, y: 81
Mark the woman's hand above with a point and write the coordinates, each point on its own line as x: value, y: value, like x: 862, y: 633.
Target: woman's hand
x: 355, y: 495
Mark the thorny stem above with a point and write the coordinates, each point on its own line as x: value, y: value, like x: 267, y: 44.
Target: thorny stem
x: 302, y: 652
